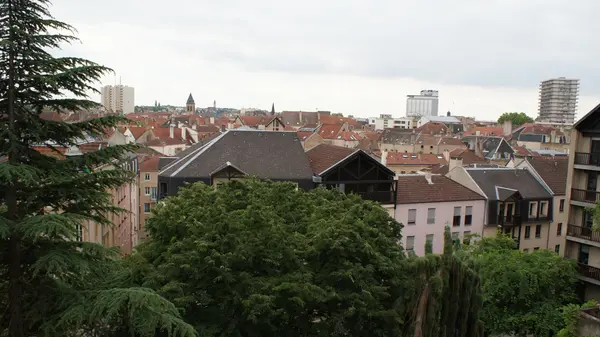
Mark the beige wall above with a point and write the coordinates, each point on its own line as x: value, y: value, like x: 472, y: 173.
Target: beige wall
x: 146, y: 199
x: 406, y: 169
x: 558, y: 218
x: 312, y: 141
x: 416, y: 148
x: 545, y: 146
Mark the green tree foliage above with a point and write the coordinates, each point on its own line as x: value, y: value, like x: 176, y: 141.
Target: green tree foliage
x: 523, y: 293
x: 571, y: 316
x: 271, y: 260
x: 51, y: 284
x: 517, y: 118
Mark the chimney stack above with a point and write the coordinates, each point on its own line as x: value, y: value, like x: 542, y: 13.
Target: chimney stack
x: 428, y: 177
x: 172, y: 131
x: 507, y: 127
x: 454, y: 163
x: 384, y: 157
x: 447, y: 155
x: 184, y: 132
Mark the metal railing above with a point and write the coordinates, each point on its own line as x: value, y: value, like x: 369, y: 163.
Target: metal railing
x: 590, y: 196
x: 514, y: 219
x: 586, y: 158
x: 589, y: 271
x: 583, y: 233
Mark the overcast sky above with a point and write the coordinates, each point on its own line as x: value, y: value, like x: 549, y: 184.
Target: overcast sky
x: 358, y: 57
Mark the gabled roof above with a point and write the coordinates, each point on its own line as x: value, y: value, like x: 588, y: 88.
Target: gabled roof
x: 485, y: 131
x: 149, y: 163
x: 137, y: 131
x: 324, y: 156
x: 397, y: 136
x: 265, y: 154
x: 590, y: 120
x: 414, y: 189
x: 433, y: 128
x: 489, y: 179
x: 553, y: 171
x: 330, y: 131
x: 468, y: 157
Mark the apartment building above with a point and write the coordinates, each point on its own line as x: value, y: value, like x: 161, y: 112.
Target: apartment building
x: 118, y: 98
x: 425, y: 104
x: 582, y: 242
x: 386, y: 121
x: 558, y: 100
x: 428, y: 203
x: 517, y: 203
x: 148, y: 193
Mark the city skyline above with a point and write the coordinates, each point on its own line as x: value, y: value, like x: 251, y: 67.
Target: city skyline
x: 250, y: 56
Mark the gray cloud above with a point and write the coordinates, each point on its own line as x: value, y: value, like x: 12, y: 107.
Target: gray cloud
x: 511, y: 43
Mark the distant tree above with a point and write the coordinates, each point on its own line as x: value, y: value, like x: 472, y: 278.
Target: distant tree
x: 51, y: 283
x: 523, y: 293
x: 517, y: 118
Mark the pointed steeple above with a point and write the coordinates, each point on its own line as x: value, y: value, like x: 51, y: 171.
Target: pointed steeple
x: 273, y: 109
x: 190, y: 100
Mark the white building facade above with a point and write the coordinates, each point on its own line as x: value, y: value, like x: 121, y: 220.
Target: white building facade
x: 425, y: 104
x: 386, y: 121
x: 118, y: 98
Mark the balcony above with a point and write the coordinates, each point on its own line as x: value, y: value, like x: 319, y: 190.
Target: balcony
x: 588, y: 160
x: 384, y: 197
x: 509, y: 220
x: 588, y: 271
x: 583, y: 233
x: 584, y: 197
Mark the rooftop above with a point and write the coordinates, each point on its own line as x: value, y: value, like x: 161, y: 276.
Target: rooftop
x: 414, y: 189
x: 489, y: 179
x: 324, y: 156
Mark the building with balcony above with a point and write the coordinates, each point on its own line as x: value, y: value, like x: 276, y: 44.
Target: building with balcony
x: 553, y: 172
x: 582, y: 242
x: 517, y: 203
x: 148, y: 192
x: 353, y: 171
x: 426, y: 204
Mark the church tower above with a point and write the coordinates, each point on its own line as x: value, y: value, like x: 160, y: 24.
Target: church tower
x: 190, y: 105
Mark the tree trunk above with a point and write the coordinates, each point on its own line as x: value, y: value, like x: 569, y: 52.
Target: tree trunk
x: 422, y: 309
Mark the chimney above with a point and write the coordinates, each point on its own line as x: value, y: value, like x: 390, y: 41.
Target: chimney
x: 211, y: 120
x: 184, y: 133
x: 454, y: 163
x: 172, y: 131
x: 553, y: 136
x: 447, y: 155
x: 428, y: 177
x: 507, y: 127
x: 477, y: 132
x: 384, y: 157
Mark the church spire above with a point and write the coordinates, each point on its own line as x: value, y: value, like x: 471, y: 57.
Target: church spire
x: 273, y: 109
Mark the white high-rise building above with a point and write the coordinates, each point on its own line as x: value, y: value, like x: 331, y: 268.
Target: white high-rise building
x: 425, y: 104
x: 558, y: 100
x: 118, y: 98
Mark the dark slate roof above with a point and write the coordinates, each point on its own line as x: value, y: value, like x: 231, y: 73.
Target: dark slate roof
x: 398, y: 136
x: 190, y: 99
x: 553, y: 171
x: 490, y: 179
x: 264, y: 154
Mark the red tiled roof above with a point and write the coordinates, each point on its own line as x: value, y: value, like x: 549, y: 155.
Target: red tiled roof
x: 165, y: 133
x: 371, y: 135
x: 165, y: 142
x: 92, y: 146
x: 323, y: 156
x: 414, y: 189
x: 485, y: 131
x: 330, y: 131
x: 538, y: 129
x: 331, y: 119
x: 302, y: 135
x: 433, y: 128
x: 51, y: 116
x: 349, y: 136
x: 521, y: 151
x: 468, y: 157
x: 47, y: 151
x: 553, y: 171
x: 149, y: 163
x: 398, y: 158
x: 137, y: 131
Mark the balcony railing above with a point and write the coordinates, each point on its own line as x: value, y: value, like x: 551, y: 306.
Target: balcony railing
x: 384, y: 197
x: 590, y: 196
x: 589, y: 271
x: 584, y: 158
x: 512, y: 220
x: 583, y: 233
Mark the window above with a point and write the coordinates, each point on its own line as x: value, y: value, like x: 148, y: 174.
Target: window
x: 79, y: 232
x: 467, y: 237
x: 456, y: 219
x: 429, y: 238
x: 410, y: 243
x: 153, y: 193
x: 544, y: 208
x: 468, y: 215
x: 455, y: 235
x: 536, y: 248
x: 526, y: 250
x: 147, y: 176
x: 146, y: 208
x: 538, y: 231
x: 557, y: 249
x: 532, y: 209
x: 430, y: 216
x: 412, y: 216
x: 527, y: 232
x: 147, y: 190
x: 467, y: 233
x: 559, y: 229
x: 561, y: 205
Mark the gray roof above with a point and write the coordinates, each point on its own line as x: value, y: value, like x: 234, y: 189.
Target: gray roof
x: 190, y: 99
x: 444, y: 119
x: 398, y: 136
x: 490, y: 180
x: 265, y: 154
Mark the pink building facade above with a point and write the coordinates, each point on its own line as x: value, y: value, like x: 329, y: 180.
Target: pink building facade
x: 426, y: 204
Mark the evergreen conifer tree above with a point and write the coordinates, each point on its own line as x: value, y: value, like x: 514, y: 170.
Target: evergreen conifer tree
x: 50, y: 283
